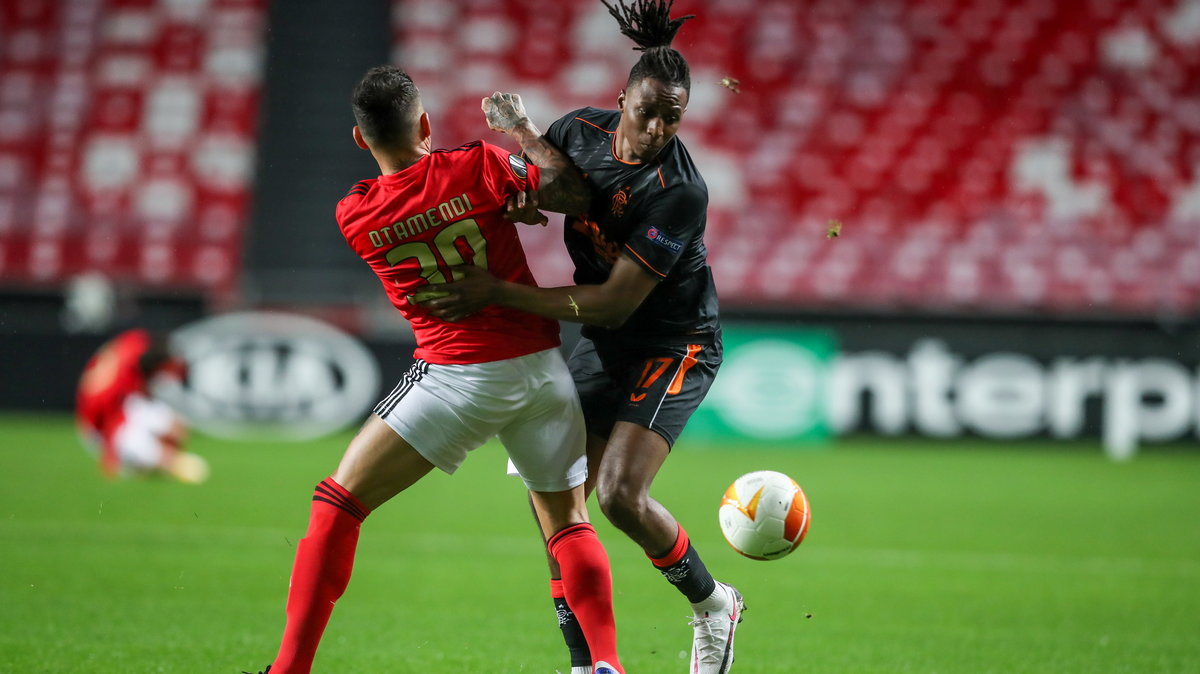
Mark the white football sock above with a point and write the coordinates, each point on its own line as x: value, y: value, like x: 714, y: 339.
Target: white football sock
x: 716, y: 601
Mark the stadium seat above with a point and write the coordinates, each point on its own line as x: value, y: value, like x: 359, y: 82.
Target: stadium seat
x: 971, y: 149
x: 127, y: 133
x: 982, y: 156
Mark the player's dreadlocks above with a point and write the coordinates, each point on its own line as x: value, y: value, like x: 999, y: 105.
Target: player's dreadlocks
x: 649, y: 24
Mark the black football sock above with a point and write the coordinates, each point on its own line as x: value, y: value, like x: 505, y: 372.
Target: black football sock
x: 572, y: 633
x: 683, y: 568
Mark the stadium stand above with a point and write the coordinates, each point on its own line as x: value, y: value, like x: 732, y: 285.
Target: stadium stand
x: 1024, y: 157
x: 127, y: 139
x: 982, y: 156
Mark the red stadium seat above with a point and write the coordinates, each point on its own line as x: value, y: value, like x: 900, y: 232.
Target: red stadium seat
x: 942, y: 134
x: 125, y: 139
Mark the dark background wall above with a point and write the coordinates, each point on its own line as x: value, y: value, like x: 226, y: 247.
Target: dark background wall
x: 307, y: 159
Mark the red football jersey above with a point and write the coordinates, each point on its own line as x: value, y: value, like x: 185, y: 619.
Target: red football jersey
x: 447, y: 209
x: 109, y: 377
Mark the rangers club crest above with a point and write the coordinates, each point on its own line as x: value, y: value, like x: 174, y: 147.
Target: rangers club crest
x: 619, y: 201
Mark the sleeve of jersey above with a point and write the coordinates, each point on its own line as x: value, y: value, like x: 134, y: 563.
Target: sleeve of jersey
x: 670, y: 221
x: 559, y: 130
x: 343, y: 207
x: 348, y: 203
x: 506, y: 173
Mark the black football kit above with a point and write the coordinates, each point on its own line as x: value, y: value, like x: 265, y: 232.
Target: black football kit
x: 656, y: 368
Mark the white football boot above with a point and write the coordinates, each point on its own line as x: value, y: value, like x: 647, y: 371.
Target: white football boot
x: 716, y: 620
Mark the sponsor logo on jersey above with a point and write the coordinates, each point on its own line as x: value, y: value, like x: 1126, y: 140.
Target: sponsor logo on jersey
x: 606, y: 250
x: 518, y: 166
x: 619, y: 201
x: 660, y: 238
x: 260, y: 374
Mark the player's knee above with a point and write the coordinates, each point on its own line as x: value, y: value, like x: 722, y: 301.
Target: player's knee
x: 622, y: 505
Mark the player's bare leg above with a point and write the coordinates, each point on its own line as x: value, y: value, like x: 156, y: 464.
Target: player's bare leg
x: 632, y: 458
x: 577, y: 646
x: 377, y: 465
x: 585, y: 580
x: 177, y: 462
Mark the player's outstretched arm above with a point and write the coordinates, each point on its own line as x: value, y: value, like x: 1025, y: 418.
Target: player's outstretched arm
x: 607, y: 305
x: 562, y: 188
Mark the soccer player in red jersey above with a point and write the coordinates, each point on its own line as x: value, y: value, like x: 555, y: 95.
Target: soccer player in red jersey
x: 119, y: 417
x: 651, y: 336
x: 496, y: 374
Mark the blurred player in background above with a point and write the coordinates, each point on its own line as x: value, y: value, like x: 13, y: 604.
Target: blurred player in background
x: 132, y: 431
x: 651, y: 338
x: 496, y: 374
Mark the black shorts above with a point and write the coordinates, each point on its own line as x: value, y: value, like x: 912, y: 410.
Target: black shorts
x: 656, y: 386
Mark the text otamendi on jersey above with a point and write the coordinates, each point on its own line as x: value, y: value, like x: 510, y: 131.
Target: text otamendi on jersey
x: 424, y: 220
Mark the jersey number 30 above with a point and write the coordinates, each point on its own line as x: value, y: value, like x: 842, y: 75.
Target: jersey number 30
x: 444, y: 244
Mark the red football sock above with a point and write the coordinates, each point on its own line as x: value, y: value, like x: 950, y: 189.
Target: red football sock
x: 324, y: 560
x: 677, y: 551
x: 587, y: 585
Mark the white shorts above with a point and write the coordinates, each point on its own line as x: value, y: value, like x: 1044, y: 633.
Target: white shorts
x: 139, y: 439
x: 530, y: 403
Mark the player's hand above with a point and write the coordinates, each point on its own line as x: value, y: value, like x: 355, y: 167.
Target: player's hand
x: 473, y: 290
x: 504, y: 112
x: 523, y: 208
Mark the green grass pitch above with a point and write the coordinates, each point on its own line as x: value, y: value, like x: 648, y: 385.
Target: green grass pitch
x: 923, y: 557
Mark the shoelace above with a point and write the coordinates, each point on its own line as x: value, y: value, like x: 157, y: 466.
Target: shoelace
x: 711, y: 645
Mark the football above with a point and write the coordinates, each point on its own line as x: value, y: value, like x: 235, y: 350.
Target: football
x: 764, y: 515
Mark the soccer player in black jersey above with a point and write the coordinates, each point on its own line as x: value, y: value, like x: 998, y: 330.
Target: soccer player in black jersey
x: 651, y: 341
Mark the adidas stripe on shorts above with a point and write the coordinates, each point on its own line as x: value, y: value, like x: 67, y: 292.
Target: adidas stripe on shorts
x: 529, y: 402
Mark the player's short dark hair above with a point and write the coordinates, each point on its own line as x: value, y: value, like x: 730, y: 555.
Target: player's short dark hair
x: 649, y: 24
x: 384, y: 103
x: 157, y: 354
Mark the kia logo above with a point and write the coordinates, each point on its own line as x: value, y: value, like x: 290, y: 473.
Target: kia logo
x: 271, y: 374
